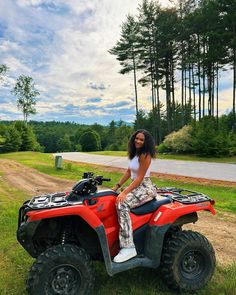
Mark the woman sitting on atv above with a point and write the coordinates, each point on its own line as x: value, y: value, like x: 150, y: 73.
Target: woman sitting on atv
x: 141, y: 150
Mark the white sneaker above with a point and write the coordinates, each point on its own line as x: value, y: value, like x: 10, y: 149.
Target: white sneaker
x: 125, y: 254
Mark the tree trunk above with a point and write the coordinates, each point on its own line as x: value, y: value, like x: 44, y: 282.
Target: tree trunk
x: 172, y: 77
x: 234, y: 89
x: 199, y: 80
x: 135, y: 88
x: 182, y: 91
x: 168, y: 96
x: 217, y: 93
x: 194, y: 94
x: 185, y: 96
x: 209, y: 83
x: 213, y: 90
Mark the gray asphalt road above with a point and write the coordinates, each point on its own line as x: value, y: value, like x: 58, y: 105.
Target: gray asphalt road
x: 216, y: 171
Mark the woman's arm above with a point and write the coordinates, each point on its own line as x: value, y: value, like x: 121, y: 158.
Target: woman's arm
x: 125, y: 177
x: 144, y: 163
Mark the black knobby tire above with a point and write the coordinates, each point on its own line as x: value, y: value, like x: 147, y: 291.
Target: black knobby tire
x: 188, y: 261
x: 61, y: 270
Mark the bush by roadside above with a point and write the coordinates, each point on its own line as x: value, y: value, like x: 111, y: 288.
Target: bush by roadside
x: 206, y: 137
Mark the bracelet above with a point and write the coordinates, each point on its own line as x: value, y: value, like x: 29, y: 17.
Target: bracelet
x: 118, y: 185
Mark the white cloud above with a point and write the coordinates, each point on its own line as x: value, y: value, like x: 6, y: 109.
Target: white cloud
x: 64, y: 46
x: 7, y: 45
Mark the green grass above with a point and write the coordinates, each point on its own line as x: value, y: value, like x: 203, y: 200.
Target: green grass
x: 224, y: 196
x: 15, y: 262
x: 230, y: 160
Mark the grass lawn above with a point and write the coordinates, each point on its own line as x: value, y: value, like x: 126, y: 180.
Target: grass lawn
x: 230, y: 160
x: 15, y: 262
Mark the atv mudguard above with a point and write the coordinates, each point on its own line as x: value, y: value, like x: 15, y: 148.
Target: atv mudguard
x: 173, y: 213
x: 27, y: 229
x: 80, y: 210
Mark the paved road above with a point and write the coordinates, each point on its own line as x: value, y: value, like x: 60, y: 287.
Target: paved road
x: 216, y: 171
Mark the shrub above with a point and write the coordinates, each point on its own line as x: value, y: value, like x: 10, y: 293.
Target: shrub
x: 13, y: 140
x: 113, y: 147
x: 90, y: 141
x: 78, y: 148
x: 208, y: 140
x: 64, y: 144
x: 162, y: 148
x: 232, y: 143
x: 180, y: 141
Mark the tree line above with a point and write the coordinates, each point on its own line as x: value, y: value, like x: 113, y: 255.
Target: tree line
x: 185, y: 47
x: 206, y: 137
x: 54, y: 136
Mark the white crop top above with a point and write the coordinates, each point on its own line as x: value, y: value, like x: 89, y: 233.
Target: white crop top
x: 134, y: 166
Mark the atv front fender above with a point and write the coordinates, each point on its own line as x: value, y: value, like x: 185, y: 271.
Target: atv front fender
x: 25, y: 235
x: 78, y: 210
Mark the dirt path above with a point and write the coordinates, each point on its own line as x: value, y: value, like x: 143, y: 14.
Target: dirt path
x: 219, y: 229
x: 30, y: 180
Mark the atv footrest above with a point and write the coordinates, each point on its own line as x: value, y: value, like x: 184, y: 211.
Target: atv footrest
x: 134, y: 262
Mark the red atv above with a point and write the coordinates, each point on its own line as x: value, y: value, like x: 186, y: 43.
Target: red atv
x: 66, y: 231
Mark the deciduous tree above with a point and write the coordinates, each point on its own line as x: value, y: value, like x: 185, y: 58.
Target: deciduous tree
x: 26, y: 94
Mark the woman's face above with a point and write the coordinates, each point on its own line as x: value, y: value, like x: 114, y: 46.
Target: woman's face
x: 139, y: 140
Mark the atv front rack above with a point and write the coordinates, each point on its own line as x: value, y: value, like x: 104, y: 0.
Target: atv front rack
x: 48, y: 201
x: 182, y: 195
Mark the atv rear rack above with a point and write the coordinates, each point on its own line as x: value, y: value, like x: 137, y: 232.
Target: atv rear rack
x: 182, y: 195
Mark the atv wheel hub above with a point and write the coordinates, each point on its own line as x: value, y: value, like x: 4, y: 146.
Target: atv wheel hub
x: 64, y: 279
x: 192, y: 264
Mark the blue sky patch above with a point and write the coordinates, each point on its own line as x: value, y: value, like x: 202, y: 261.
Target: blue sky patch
x: 94, y: 99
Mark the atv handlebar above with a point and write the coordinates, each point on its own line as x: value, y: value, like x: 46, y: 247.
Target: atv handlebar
x: 88, y: 184
x: 106, y: 179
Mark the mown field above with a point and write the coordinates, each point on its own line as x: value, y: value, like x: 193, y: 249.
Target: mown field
x: 15, y: 262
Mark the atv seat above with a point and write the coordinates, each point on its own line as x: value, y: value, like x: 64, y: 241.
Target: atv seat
x: 150, y: 206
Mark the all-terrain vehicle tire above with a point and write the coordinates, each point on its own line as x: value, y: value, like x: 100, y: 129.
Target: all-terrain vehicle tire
x: 61, y: 270
x: 188, y: 261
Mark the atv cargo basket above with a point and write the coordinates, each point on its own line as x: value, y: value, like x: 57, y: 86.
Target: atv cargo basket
x: 182, y: 195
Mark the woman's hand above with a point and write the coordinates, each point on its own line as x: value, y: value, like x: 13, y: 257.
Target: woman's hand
x: 116, y: 187
x: 121, y: 197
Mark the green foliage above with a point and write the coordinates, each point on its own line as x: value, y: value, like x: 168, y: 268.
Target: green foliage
x: 13, y: 140
x: 208, y: 139
x: 90, y: 141
x: 3, y: 70
x: 26, y: 94
x: 232, y: 145
x: 29, y: 142
x: 18, y: 137
x: 162, y: 149
x: 113, y: 147
x: 64, y: 144
x: 193, y: 40
x: 180, y: 141
x: 78, y: 148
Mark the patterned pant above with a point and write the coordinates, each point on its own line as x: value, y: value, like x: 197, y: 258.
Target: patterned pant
x: 143, y: 193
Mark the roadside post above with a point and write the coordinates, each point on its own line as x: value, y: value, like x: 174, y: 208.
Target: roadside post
x: 58, y: 162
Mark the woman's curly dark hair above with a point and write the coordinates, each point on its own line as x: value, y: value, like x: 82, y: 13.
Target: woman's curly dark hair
x: 147, y: 148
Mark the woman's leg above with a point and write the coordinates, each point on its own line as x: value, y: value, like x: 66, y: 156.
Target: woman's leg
x: 126, y: 231
x: 143, y: 193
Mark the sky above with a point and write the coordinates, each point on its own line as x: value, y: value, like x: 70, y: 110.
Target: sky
x: 63, y: 45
